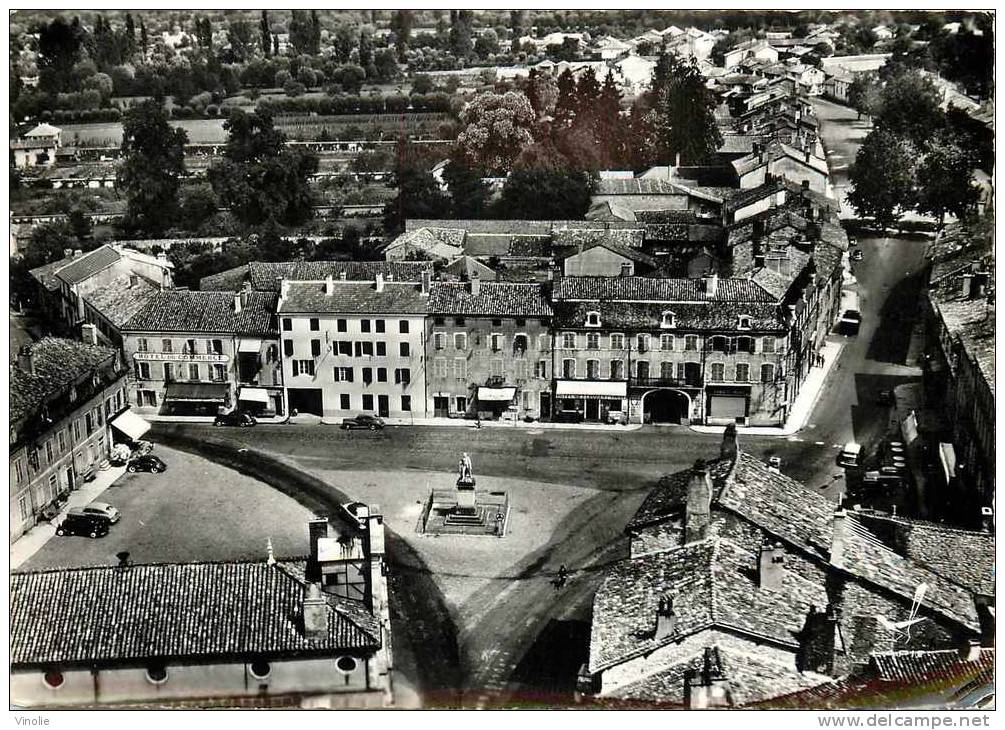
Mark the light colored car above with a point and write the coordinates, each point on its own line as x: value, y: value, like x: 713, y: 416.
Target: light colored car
x: 99, y: 510
x: 617, y: 417
x: 850, y: 454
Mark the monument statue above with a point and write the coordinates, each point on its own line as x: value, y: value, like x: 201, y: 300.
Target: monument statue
x: 464, y: 468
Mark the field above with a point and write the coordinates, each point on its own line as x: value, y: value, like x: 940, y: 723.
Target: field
x: 109, y: 134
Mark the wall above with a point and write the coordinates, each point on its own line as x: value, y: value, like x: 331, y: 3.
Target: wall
x: 198, y: 680
x: 597, y: 261
x: 796, y: 172
x: 301, y: 336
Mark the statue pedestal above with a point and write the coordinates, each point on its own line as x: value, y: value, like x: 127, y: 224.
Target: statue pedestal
x: 465, y: 496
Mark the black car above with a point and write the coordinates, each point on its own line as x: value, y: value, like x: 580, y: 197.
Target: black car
x: 569, y: 416
x: 146, y: 462
x: 363, y: 421
x: 235, y: 418
x: 80, y: 524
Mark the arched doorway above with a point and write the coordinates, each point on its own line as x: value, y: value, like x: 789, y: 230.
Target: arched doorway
x: 666, y: 406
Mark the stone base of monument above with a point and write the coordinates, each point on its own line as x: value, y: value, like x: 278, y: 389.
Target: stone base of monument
x: 465, y: 511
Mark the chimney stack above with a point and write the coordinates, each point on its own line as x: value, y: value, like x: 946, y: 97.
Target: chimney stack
x: 123, y: 558
x: 771, y: 566
x: 475, y: 284
x: 666, y: 619
x: 711, y: 284
x: 706, y: 687
x: 89, y: 333
x: 237, y: 302
x: 67, y: 253
x: 284, y: 289
x: 330, y: 285
x: 315, y: 613
x: 77, y: 252
x: 426, y: 282
x: 379, y: 283
x: 25, y: 360
x: 698, y: 510
x: 343, y: 275
x: 839, y: 526
x: 987, y: 518
x: 730, y: 447
x: 970, y: 651
x: 316, y: 530
x: 626, y: 269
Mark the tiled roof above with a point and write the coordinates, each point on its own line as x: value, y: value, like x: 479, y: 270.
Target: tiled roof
x: 353, y: 297
x: 95, y: 616
x: 46, y: 274
x: 229, y: 280
x: 777, y: 284
x: 642, y: 289
x: 962, y: 556
x: 58, y: 364
x: 512, y: 299
x: 465, y: 266
x: 609, y: 210
x: 622, y: 237
x: 522, y: 227
x: 720, y: 317
x: 211, y: 311
x: 636, y: 186
x: 87, y: 265
x: 733, y: 144
x: 973, y: 322
x: 918, y: 666
x: 742, y: 198
x: 120, y: 300
x: 266, y: 276
x: 712, y: 583
x: 442, y: 241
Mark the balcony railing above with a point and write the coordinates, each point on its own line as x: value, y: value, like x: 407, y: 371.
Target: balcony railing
x: 666, y: 382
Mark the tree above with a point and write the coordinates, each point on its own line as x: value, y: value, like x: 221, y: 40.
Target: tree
x: 542, y: 92
x: 469, y: 195
x: 302, y: 32
x: 386, y: 64
x: 945, y: 179
x: 487, y: 44
x: 343, y: 42
x: 538, y: 193
x: 683, y: 112
x: 350, y: 77
x: 153, y: 161
x: 266, y: 33
x: 566, y: 104
x: 239, y: 37
x: 419, y: 196
x: 130, y: 34
x: 100, y: 82
x: 910, y: 108
x: 401, y: 26
x: 460, y: 33
x: 259, y: 179
x: 80, y: 224
x: 422, y: 84
x: 496, y: 128
x: 143, y: 37
x: 865, y: 94
x: 59, y: 46
x: 882, y: 177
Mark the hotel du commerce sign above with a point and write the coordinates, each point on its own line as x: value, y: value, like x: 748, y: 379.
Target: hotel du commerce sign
x: 179, y: 357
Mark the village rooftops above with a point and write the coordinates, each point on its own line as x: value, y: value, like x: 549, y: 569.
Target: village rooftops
x: 643, y: 289
x: 215, y: 312
x: 56, y: 364
x: 75, y: 269
x: 121, y: 299
x: 194, y: 611
x: 267, y: 276
x: 352, y: 297
x: 493, y: 298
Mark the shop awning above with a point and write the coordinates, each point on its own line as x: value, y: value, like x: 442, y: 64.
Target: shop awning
x: 249, y: 345
x: 131, y: 425
x: 197, y: 392
x: 496, y: 394
x: 947, y: 455
x: 596, y: 388
x: 254, y: 395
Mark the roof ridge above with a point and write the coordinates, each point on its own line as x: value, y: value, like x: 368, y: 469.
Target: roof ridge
x: 171, y: 564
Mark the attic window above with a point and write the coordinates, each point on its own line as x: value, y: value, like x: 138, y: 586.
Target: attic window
x: 593, y: 319
x: 53, y: 679
x: 744, y: 323
x: 157, y: 674
x: 260, y: 669
x: 669, y: 319
x: 346, y: 664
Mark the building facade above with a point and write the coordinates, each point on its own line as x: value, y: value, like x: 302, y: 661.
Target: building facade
x: 195, y: 353
x: 351, y: 347
x: 488, y: 350
x: 63, y: 396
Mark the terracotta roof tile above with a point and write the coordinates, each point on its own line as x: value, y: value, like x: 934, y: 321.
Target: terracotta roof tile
x: 353, y: 297
x: 503, y: 298
x: 643, y: 289
x: 212, y: 311
x: 87, y: 265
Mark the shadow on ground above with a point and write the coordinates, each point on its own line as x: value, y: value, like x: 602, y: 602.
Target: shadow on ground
x: 892, y: 337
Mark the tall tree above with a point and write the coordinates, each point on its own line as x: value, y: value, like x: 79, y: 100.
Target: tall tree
x: 460, y: 33
x: 300, y: 31
x: 496, y: 128
x: 419, y: 196
x: 143, y: 37
x: 945, y: 179
x: 401, y: 25
x: 153, y: 161
x: 266, y: 32
x: 684, y: 128
x: 59, y: 46
x: 910, y: 107
x: 539, y: 193
x: 865, y: 94
x: 130, y: 34
x: 469, y: 196
x: 259, y: 178
x: 882, y: 177
x: 239, y: 36
x: 566, y: 104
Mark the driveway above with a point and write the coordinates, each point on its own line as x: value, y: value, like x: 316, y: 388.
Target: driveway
x: 196, y: 510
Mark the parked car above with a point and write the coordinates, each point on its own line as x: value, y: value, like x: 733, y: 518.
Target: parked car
x: 878, y: 477
x: 99, y: 510
x: 235, y: 418
x: 857, y: 255
x: 146, y: 462
x: 617, y: 417
x: 363, y: 420
x: 850, y: 454
x: 80, y: 524
x: 568, y: 417
x: 775, y: 462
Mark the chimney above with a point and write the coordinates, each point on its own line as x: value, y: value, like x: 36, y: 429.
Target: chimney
x: 379, y: 283
x: 343, y: 275
x: 89, y: 333
x: 839, y: 527
x: 626, y: 269
x: 970, y: 651
x: 25, y: 360
x: 698, y: 510
x: 123, y: 558
x: 978, y: 284
x: 475, y: 284
x: 426, y: 282
x: 330, y: 285
x: 315, y: 613
x: 316, y: 530
x: 67, y: 253
x: 806, y: 154
x: 666, y: 619
x: 77, y: 252
x: 162, y: 257
x: 706, y: 687
x: 730, y: 447
x: 756, y: 148
x: 966, y: 285
x: 237, y: 301
x: 134, y: 280
x: 711, y: 284
x: 771, y: 566
x: 987, y: 518
x: 805, y: 184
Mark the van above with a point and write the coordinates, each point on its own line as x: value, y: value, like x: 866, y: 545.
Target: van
x: 850, y: 453
x: 850, y: 322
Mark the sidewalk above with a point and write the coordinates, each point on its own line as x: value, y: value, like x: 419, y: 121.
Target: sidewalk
x: 466, y: 423
x: 33, y: 540
x: 803, y: 406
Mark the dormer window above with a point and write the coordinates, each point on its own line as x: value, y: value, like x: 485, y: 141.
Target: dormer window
x: 593, y: 319
x: 744, y: 322
x: 668, y: 320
